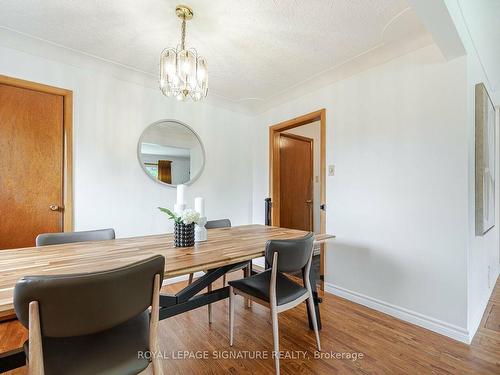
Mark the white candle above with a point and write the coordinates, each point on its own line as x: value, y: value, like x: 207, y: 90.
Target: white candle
x: 180, y: 193
x: 199, y: 206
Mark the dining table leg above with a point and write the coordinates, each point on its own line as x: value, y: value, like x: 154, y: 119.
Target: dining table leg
x: 313, y: 278
x: 12, y: 359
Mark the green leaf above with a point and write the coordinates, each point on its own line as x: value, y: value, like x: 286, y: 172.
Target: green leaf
x: 170, y: 214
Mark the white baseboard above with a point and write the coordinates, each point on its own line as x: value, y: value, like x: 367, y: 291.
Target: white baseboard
x: 443, y: 328
x: 260, y: 262
x: 475, y: 320
x: 177, y: 279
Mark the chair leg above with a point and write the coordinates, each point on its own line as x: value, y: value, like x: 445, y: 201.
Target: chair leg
x: 274, y: 318
x: 231, y: 315
x: 209, y: 289
x: 35, y: 366
x: 310, y: 304
x: 191, y: 275
x: 247, y: 272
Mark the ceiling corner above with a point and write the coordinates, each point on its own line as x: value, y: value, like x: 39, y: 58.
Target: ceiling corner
x: 438, y: 21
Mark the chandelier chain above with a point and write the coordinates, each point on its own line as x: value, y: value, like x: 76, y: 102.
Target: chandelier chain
x: 183, y: 34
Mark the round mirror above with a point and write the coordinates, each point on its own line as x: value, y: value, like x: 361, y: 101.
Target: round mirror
x: 171, y: 153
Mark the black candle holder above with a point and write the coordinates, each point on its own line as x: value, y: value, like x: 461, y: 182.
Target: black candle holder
x: 183, y: 235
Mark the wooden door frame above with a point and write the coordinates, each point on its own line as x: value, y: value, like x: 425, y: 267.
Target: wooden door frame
x: 274, y: 176
x: 274, y: 173
x: 311, y: 143
x: 67, y: 139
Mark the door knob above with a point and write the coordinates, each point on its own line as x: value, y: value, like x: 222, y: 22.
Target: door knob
x: 309, y: 201
x: 54, y: 207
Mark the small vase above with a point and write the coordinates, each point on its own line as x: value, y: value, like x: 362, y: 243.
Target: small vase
x: 183, y: 235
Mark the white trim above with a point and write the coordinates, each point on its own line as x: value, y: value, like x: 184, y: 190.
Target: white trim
x: 260, y: 262
x: 436, y: 325
x: 177, y: 279
x: 477, y: 315
x: 475, y: 320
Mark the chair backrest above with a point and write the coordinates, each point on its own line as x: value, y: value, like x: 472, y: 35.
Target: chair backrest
x: 293, y: 254
x: 86, y: 303
x: 221, y: 223
x: 69, y: 237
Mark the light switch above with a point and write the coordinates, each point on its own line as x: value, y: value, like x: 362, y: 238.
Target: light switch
x: 331, y: 170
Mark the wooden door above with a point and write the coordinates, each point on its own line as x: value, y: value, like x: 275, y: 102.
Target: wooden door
x: 165, y: 171
x: 31, y: 165
x: 296, y: 182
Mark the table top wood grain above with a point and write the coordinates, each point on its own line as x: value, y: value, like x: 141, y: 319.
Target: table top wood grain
x: 224, y: 246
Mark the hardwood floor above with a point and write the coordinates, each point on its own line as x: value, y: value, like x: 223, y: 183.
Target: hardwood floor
x: 388, y: 345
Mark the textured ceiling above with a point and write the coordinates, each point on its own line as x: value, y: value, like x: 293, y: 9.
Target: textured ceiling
x: 255, y: 49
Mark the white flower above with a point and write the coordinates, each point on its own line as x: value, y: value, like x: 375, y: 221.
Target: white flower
x: 190, y: 216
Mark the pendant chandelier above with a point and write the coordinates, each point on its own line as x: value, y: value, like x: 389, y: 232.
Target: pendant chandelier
x: 183, y: 73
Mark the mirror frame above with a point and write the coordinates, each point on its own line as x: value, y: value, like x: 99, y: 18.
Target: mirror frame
x: 139, y: 143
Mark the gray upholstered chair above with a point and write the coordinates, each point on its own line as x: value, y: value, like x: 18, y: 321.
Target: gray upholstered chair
x: 213, y: 224
x: 273, y: 289
x: 220, y: 223
x: 70, y: 237
x: 226, y: 223
x: 92, y: 323
x: 247, y: 269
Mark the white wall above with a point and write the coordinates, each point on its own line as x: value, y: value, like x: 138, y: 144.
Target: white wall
x: 397, y: 135
x: 313, y: 131
x: 110, y: 188
x: 180, y: 169
x: 482, y: 251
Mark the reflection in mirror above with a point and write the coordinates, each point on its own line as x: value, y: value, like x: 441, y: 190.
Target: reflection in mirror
x: 170, y: 152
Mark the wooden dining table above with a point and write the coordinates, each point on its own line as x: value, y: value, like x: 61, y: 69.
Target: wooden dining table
x: 225, y: 250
